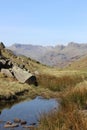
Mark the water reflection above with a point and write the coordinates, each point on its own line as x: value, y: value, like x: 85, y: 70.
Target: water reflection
x: 28, y: 110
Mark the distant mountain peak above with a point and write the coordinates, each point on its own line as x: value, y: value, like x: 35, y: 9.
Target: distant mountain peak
x: 73, y: 44
x: 59, y: 55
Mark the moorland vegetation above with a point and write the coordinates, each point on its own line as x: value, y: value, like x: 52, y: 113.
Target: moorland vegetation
x: 68, y: 86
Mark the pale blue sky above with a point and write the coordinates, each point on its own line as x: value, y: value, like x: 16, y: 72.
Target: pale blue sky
x: 43, y: 22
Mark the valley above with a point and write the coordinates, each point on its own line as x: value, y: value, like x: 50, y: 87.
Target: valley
x: 68, y: 85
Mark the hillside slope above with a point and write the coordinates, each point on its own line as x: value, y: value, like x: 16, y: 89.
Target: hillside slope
x: 80, y: 64
x: 29, y: 63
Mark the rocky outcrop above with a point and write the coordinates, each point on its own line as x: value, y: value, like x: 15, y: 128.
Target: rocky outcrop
x: 5, y: 63
x: 21, y: 75
x: 15, y: 70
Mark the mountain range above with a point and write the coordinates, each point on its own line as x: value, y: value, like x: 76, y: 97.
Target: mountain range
x: 59, y: 55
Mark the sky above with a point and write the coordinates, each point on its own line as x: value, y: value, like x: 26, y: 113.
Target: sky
x: 43, y: 22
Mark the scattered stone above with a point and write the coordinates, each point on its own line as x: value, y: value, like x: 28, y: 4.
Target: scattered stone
x: 7, y: 73
x: 11, y: 126
x: 21, y: 66
x: 17, y: 120
x: 9, y: 123
x: 3, y: 62
x: 23, y: 122
x: 33, y: 124
x: 9, y: 63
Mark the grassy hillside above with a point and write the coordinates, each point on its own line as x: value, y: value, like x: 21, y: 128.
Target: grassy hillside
x: 80, y: 64
x: 10, y: 88
x: 30, y: 64
x: 69, y: 86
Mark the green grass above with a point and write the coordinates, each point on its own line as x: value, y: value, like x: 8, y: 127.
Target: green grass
x: 10, y: 88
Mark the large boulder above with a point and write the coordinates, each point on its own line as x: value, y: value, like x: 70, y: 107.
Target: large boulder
x: 7, y: 72
x: 23, y: 76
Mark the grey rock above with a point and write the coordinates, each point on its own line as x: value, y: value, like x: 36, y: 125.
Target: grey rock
x: 23, y: 122
x: 17, y: 120
x: 32, y: 80
x: 7, y: 72
x: 10, y: 125
x: 9, y: 63
x: 3, y: 61
x: 9, y: 122
x: 23, y: 76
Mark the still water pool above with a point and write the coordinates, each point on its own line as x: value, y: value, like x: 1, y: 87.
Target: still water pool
x: 27, y: 110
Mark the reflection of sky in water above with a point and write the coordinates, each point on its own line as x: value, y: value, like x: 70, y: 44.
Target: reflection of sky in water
x: 29, y: 110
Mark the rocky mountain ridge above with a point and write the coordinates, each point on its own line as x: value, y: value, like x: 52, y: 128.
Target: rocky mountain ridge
x: 59, y: 55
